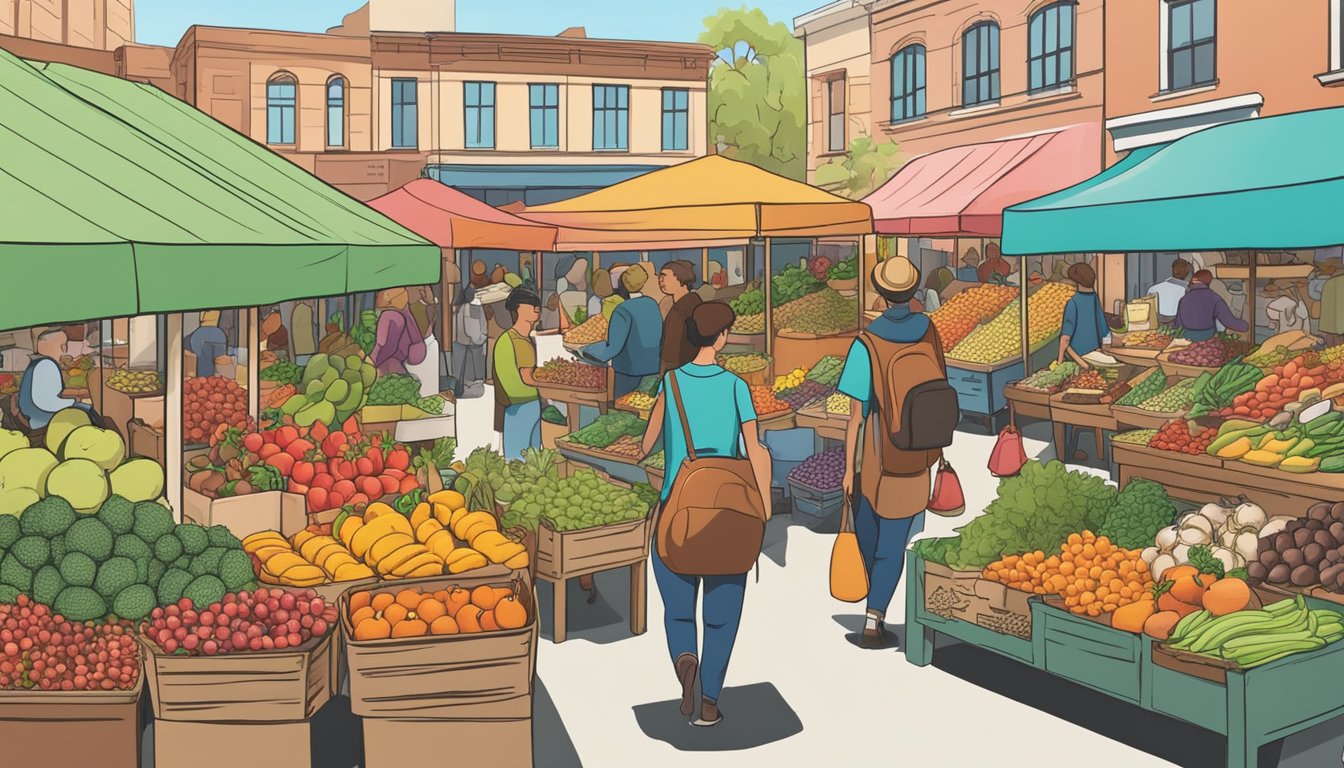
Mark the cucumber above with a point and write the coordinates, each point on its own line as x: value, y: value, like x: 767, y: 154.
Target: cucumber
x: 1334, y: 463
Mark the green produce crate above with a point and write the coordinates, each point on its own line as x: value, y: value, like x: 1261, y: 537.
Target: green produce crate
x: 920, y: 625
x: 1088, y: 652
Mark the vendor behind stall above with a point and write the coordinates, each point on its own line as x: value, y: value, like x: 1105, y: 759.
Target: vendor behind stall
x: 1083, y: 331
x: 208, y: 342
x: 634, y: 337
x: 517, y: 403
x: 399, y: 342
x: 1201, y: 310
x: 1169, y: 292
x: 40, y: 391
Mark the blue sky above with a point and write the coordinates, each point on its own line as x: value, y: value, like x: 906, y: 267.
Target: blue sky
x: 162, y: 22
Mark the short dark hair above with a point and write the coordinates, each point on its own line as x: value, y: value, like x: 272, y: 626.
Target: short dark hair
x: 1204, y: 276
x: 1180, y: 269
x: 519, y: 297
x: 708, y: 321
x: 50, y: 332
x: 894, y: 297
x: 682, y: 270
x: 1083, y: 275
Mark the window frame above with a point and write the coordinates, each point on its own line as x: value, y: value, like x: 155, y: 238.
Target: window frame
x: 405, y: 113
x: 914, y: 83
x: 1057, y: 52
x: 1191, y: 46
x: 476, y: 114
x: 548, y: 112
x: 985, y: 80
x: 620, y: 116
x: 276, y: 107
x: 675, y: 113
x: 340, y: 107
x: 832, y: 116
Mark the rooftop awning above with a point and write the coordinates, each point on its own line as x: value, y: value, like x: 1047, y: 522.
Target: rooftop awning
x: 962, y: 191
x: 451, y: 219
x: 701, y: 203
x: 119, y: 199
x: 1266, y: 183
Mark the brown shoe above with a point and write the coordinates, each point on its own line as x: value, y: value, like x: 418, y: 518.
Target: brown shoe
x: 687, y: 668
x: 709, y: 714
x: 586, y: 584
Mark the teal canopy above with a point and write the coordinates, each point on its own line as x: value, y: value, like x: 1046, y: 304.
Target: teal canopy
x: 117, y: 199
x: 1272, y: 183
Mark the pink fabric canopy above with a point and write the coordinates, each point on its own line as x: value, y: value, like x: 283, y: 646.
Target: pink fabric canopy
x: 450, y: 219
x: 962, y: 191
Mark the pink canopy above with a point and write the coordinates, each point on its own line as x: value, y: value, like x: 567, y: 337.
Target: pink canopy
x: 962, y: 191
x: 451, y: 219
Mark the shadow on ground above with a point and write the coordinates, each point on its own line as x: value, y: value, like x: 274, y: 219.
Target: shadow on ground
x: 852, y: 623
x: 605, y: 620
x: 551, y: 745
x: 753, y: 716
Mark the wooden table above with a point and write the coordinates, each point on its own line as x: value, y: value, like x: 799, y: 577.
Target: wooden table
x: 565, y: 555
x: 1140, y: 356
x: 1027, y: 403
x: 827, y: 425
x: 1097, y: 417
x: 573, y: 397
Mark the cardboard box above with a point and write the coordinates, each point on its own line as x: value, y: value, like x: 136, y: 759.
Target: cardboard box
x: 245, y: 515
x: 78, y: 728
x: 231, y: 745
x: 465, y: 677
x: 145, y: 441
x: 392, y: 743
x: 965, y: 595
x: 261, y: 687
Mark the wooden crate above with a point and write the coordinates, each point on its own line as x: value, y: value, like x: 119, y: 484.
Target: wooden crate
x: 566, y: 554
x: 76, y: 728
x: 255, y: 745
x: 1090, y: 652
x: 975, y: 599
x: 921, y: 624
x: 484, y: 676
x: 390, y: 743
x: 261, y: 687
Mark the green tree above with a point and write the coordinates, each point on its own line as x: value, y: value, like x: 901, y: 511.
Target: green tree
x: 757, y: 104
x: 866, y: 166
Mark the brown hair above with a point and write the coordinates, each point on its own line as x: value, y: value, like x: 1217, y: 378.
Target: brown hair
x: 1180, y: 269
x: 1204, y: 276
x: 707, y: 321
x: 682, y: 270
x: 1083, y: 275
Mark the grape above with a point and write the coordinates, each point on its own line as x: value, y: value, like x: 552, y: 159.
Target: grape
x: 823, y: 472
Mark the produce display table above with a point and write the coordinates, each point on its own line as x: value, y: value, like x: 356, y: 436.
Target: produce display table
x: 1096, y: 417
x: 565, y: 555
x: 777, y: 421
x: 1140, y: 356
x: 980, y: 388
x: 1026, y: 403
x: 574, y: 398
x: 623, y: 468
x: 1250, y: 707
x: 1137, y: 418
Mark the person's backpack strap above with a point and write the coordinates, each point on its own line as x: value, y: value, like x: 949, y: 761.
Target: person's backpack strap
x: 681, y: 412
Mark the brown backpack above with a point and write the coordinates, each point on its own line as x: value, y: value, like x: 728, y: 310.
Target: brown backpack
x: 713, y: 522
x: 917, y: 407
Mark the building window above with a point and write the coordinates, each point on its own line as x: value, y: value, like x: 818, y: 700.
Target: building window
x: 543, y: 104
x: 480, y: 115
x: 1336, y: 36
x: 907, y: 83
x: 1191, y: 43
x: 1050, y: 53
x: 676, y: 119
x: 405, y: 115
x: 835, y: 115
x: 281, y: 94
x: 980, y: 64
x: 611, y: 117
x: 336, y: 112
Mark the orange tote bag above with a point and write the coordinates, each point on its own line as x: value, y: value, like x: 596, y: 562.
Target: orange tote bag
x: 849, y: 577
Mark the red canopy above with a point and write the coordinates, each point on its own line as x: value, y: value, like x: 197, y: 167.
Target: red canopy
x: 962, y: 191
x: 451, y: 219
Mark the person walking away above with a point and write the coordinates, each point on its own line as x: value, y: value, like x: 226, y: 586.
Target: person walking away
x: 303, y: 335
x: 1169, y: 292
x: 1201, y: 310
x: 719, y: 416
x: 633, y: 337
x: 422, y: 311
x: 517, y: 403
x: 896, y: 378
x: 675, y: 279
x: 602, y: 290
x: 1084, y: 330
x: 469, y: 336
x: 40, y: 391
x: 207, y: 342
x: 398, y: 342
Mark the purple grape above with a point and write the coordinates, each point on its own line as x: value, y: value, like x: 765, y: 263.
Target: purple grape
x: 823, y: 472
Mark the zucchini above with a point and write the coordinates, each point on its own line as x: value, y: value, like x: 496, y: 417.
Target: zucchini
x: 1333, y: 463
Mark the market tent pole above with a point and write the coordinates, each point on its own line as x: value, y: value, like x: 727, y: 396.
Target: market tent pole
x: 766, y: 291
x: 253, y: 361
x: 1023, y: 270
x: 173, y: 414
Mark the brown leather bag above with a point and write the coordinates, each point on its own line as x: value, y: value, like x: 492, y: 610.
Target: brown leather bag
x: 713, y: 522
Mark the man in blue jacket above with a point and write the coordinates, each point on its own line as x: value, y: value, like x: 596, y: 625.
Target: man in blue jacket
x: 634, y: 335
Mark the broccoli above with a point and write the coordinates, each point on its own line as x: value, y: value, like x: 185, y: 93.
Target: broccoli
x: 134, y: 602
x: 235, y: 569
x: 15, y: 573
x: 155, y: 572
x: 168, y: 548
x: 1138, y: 513
x: 130, y: 545
x: 58, y: 549
x: 8, y: 595
x: 204, y: 590
x: 49, y: 517
x: 117, y: 514
x: 207, y: 561
x: 152, y: 520
x: 113, y: 576
x: 10, y: 531
x: 79, y: 604
x: 222, y: 537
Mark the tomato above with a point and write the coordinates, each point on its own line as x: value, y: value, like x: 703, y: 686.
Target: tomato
x: 324, y: 481
x: 335, y: 500
x: 299, y: 448
x: 399, y: 458
x: 409, y: 484
x: 317, y: 499
x: 318, y: 431
x: 370, y: 486
x: 375, y: 457
x: 363, y: 466
x: 389, y: 483
x: 253, y: 442
x: 304, y: 472
x: 344, y: 487
x: 283, y: 462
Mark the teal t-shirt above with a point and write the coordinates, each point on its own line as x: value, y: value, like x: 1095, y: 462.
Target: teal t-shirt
x: 717, y: 403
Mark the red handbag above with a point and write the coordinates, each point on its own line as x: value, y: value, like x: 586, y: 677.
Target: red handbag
x: 1008, y: 456
x: 947, y: 499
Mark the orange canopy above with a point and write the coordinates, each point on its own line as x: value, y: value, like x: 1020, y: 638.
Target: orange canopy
x: 700, y: 203
x: 450, y: 219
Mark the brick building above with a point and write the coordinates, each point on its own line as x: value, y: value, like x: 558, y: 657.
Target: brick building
x: 838, y: 59
x: 102, y: 24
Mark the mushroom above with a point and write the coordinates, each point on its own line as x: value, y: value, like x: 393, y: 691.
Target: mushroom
x: 1149, y: 555
x: 1276, y: 525
x: 1249, y: 516
x: 1215, y: 513
x: 1167, y: 538
x: 1181, y: 553
x: 1246, y: 545
x: 1161, y: 564
x: 1195, y: 529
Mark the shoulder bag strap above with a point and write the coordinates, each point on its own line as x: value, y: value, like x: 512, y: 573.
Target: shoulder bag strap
x: 681, y: 412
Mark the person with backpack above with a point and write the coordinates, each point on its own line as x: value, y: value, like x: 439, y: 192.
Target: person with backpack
x: 712, y: 510
x: 897, y: 378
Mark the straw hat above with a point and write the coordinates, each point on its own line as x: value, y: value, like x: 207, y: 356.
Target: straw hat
x: 895, y: 274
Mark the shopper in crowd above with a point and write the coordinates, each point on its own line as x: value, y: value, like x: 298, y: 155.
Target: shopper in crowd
x: 969, y: 271
x: 399, y: 342
x: 1169, y: 292
x: 720, y: 415
x: 676, y: 279
x: 207, y: 342
x: 273, y: 333
x: 888, y: 507
x: 1083, y: 331
x: 1286, y: 309
x: 602, y: 289
x: 995, y: 268
x: 1201, y: 310
x: 470, y: 333
x: 41, y: 390
x: 571, y: 285
x: 424, y: 306
x: 633, y: 337
x: 931, y: 295
x: 616, y: 294
x: 303, y: 334
x: 517, y: 403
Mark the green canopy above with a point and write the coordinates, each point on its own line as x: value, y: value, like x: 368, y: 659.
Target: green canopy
x: 1270, y: 183
x: 119, y: 200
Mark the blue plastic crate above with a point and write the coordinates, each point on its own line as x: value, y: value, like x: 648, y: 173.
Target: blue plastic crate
x: 818, y: 505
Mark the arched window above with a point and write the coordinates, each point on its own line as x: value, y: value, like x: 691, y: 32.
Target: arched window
x: 907, y: 83
x: 281, y: 95
x: 1050, y: 57
x: 336, y: 112
x: 980, y: 64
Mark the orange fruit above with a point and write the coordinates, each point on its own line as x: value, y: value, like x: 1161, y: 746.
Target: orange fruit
x: 410, y: 628
x: 395, y: 612
x: 363, y: 613
x: 510, y: 614
x: 457, y: 598
x: 373, y: 629
x: 484, y: 597
x: 444, y: 625
x: 488, y: 622
x: 430, y: 609
x: 381, y: 601
x: 409, y: 598
x: 359, y: 600
x: 469, y: 619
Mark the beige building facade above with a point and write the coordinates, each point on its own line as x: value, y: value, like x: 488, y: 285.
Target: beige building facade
x: 837, y: 48
x: 102, y: 24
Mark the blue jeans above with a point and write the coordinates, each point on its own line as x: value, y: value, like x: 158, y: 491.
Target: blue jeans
x: 522, y: 428
x: 882, y: 543
x: 722, y: 615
